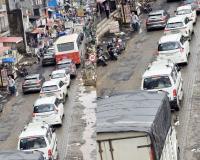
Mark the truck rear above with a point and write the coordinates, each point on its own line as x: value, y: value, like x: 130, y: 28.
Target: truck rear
x: 135, y: 126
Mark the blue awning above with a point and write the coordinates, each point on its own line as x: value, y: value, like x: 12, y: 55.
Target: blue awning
x: 52, y: 3
x: 8, y: 60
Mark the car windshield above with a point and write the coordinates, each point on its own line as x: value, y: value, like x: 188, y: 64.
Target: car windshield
x: 43, y: 108
x: 65, y: 46
x: 57, y: 75
x: 63, y: 65
x: 157, y: 82
x: 174, y: 25
x: 168, y: 46
x: 184, y: 11
x: 49, y: 88
x: 32, y: 143
x: 30, y: 79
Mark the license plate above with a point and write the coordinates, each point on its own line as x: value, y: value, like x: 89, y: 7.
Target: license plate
x: 175, y: 31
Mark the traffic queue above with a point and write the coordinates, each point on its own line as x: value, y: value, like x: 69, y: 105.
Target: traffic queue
x: 129, y: 124
x: 65, y: 54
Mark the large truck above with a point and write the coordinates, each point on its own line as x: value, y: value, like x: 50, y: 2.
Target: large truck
x: 136, y: 126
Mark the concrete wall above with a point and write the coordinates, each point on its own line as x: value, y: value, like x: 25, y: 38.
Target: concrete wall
x: 103, y: 26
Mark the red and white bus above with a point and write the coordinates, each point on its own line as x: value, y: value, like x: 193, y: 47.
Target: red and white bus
x: 70, y: 47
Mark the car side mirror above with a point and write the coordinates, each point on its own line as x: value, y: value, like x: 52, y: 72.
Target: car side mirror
x: 178, y: 68
x: 53, y: 129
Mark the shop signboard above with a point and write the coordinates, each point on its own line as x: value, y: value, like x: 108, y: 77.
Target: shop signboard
x: 4, y: 77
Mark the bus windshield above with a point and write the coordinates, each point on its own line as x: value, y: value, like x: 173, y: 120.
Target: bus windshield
x: 65, y: 46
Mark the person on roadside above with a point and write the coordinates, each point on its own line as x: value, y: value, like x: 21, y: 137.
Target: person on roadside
x: 11, y: 85
x: 135, y: 22
x: 107, y: 10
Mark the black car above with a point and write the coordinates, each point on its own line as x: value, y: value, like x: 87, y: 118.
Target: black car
x: 49, y: 59
x: 157, y: 19
x: 32, y: 83
x: 21, y: 155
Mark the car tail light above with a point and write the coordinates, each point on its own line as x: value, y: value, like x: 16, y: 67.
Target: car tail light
x: 174, y: 93
x: 164, y: 18
x: 56, y: 110
x: 49, y: 153
x: 152, y: 157
x: 166, y: 30
x: 38, y: 81
x: 181, y: 50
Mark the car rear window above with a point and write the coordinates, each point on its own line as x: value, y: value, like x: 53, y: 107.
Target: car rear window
x: 57, y: 75
x: 65, y: 46
x: 175, y: 25
x: 168, y: 46
x: 184, y: 11
x: 156, y: 82
x: 31, y: 78
x: 152, y: 16
x: 43, y: 108
x: 49, y: 88
x: 32, y: 143
x: 64, y: 65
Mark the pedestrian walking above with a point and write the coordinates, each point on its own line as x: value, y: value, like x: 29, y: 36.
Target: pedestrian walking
x: 107, y: 10
x: 135, y: 23
x: 11, y: 85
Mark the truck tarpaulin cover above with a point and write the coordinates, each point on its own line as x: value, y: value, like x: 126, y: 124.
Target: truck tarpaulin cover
x: 137, y: 112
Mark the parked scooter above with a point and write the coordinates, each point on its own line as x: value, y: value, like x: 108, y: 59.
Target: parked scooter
x: 146, y: 8
x: 22, y: 71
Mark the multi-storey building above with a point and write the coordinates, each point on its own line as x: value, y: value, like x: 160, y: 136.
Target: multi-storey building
x: 4, y: 27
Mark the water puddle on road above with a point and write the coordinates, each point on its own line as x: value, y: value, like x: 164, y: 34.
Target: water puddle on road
x: 87, y: 98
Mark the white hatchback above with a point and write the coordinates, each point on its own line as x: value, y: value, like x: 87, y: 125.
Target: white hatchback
x: 187, y: 11
x: 179, y: 24
x: 49, y: 110
x: 54, y: 88
x: 164, y: 75
x: 38, y: 136
x: 62, y: 75
x: 175, y: 47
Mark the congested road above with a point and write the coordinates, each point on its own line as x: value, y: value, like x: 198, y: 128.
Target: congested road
x: 18, y: 112
x: 126, y: 74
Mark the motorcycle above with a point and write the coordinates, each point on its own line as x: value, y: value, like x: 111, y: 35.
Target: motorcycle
x: 146, y: 8
x: 113, y: 56
x: 101, y: 61
x: 22, y: 72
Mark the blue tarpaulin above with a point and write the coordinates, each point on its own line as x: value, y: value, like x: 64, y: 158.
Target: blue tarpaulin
x: 59, y: 15
x: 52, y: 3
x: 8, y: 60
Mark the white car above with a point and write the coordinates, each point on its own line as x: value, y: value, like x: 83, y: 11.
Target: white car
x: 164, y: 75
x: 62, y: 75
x: 54, y: 88
x: 38, y: 136
x: 175, y: 47
x: 179, y: 24
x: 49, y: 110
x: 187, y: 11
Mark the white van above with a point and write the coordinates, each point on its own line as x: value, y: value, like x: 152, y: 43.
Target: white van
x: 175, y: 47
x: 164, y: 75
x: 38, y: 136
